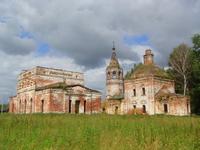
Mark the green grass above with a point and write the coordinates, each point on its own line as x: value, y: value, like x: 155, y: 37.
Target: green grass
x: 85, y: 132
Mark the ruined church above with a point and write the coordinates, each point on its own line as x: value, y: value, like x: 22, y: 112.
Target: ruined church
x: 49, y: 90
x: 147, y: 89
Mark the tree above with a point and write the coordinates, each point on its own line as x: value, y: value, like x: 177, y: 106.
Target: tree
x: 179, y: 84
x: 194, y: 84
x: 192, y: 70
x: 180, y: 62
x: 196, y: 42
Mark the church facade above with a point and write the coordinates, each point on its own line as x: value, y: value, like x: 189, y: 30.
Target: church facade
x: 48, y: 90
x: 147, y: 89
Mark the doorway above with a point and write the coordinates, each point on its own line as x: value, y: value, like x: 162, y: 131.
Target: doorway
x: 77, y: 103
x: 188, y: 109
x: 116, y: 109
x: 12, y: 107
x: 84, y: 106
x: 42, y: 106
x: 70, y: 106
x: 143, y: 108
x: 165, y: 108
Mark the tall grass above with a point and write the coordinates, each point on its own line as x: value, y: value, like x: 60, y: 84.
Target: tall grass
x: 85, y: 132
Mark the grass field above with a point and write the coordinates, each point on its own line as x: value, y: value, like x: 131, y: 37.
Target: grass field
x: 85, y: 132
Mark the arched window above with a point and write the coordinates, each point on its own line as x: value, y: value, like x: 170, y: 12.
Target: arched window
x: 143, y: 91
x: 119, y: 73
x: 134, y: 92
x: 114, y: 75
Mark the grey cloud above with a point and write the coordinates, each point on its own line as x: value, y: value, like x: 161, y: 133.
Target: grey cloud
x: 75, y: 30
x: 10, y: 41
x: 84, y: 30
x: 17, y: 46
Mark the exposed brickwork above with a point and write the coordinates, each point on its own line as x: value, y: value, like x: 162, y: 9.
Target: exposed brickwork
x: 149, y: 92
x: 46, y: 90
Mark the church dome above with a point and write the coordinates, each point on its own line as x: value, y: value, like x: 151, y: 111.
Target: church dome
x: 147, y: 70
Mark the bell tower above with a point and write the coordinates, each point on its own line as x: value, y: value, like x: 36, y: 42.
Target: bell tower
x: 114, y: 78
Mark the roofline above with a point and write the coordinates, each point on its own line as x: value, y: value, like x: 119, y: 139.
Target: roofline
x: 56, y: 85
x: 58, y: 69
x: 26, y: 70
x: 84, y: 87
x: 13, y: 96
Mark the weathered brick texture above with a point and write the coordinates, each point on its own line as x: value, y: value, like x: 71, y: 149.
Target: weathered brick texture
x: 47, y: 90
x: 148, y: 90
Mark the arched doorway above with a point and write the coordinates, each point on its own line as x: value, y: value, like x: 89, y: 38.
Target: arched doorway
x: 13, y: 106
x: 165, y: 108
x: 42, y: 106
x: 116, y: 109
x: 77, y: 104
x: 84, y: 106
x: 70, y: 106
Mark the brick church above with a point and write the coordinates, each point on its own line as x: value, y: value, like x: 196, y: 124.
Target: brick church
x: 48, y: 90
x: 147, y: 89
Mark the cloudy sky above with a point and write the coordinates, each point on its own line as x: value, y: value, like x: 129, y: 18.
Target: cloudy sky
x: 77, y: 35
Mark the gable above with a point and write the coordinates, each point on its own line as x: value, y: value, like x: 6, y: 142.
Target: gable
x: 164, y: 91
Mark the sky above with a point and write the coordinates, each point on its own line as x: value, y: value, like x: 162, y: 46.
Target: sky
x: 78, y: 35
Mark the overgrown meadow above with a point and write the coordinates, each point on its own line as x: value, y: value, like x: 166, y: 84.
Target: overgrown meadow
x: 109, y: 132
